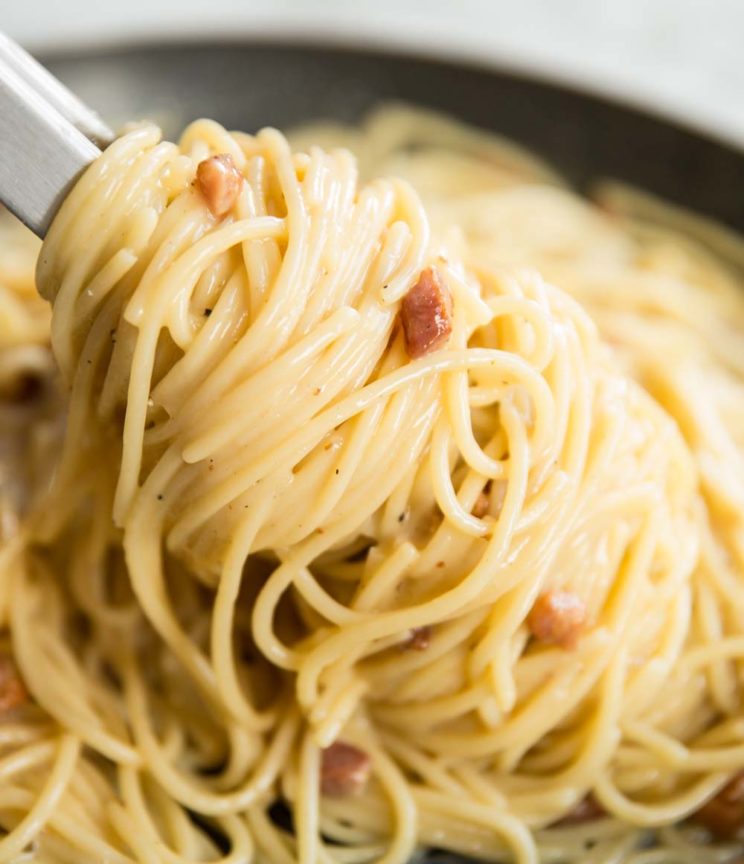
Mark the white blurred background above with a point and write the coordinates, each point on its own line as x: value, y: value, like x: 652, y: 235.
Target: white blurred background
x: 682, y: 57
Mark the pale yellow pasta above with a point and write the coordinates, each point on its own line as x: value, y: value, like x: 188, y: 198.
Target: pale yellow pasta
x: 242, y: 496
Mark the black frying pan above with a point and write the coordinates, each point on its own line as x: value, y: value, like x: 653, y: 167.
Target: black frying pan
x: 247, y: 85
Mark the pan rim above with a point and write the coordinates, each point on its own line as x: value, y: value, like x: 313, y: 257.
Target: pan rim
x: 377, y: 42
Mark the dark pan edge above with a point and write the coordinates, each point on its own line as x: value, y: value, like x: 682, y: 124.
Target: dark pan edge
x: 253, y: 83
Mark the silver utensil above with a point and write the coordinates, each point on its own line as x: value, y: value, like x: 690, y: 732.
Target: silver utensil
x: 47, y: 138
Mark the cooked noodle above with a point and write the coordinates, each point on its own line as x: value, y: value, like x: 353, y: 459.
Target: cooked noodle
x: 258, y: 499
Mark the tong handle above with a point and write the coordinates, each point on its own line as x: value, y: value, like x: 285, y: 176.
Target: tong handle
x: 47, y: 138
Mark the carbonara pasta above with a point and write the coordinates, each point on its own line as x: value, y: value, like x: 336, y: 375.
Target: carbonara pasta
x: 372, y: 503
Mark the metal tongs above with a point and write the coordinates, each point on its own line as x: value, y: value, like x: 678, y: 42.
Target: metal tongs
x: 47, y: 138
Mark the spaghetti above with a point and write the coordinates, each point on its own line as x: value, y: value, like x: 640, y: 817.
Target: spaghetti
x: 474, y: 587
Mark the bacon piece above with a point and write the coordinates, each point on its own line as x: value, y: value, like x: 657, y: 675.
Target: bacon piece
x: 723, y: 815
x: 419, y: 640
x: 219, y: 180
x: 12, y: 689
x: 557, y: 618
x: 344, y: 770
x: 587, y: 810
x: 426, y: 313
